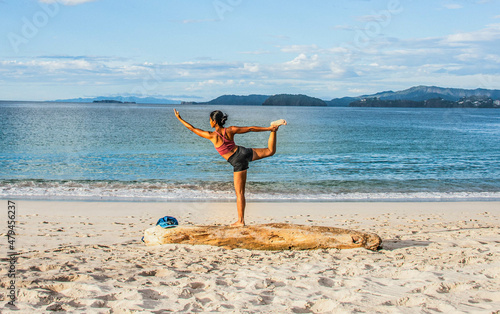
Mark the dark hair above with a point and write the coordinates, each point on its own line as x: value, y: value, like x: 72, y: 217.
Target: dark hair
x: 219, y: 117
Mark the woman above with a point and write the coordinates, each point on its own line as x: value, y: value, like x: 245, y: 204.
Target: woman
x: 237, y: 156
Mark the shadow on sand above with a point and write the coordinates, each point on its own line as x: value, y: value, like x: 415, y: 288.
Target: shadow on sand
x: 394, y: 244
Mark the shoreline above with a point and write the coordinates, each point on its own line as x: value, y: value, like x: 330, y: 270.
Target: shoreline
x: 223, y: 191
x: 257, y: 201
x: 436, y: 256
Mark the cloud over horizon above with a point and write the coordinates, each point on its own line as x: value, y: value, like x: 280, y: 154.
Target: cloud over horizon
x: 159, y: 48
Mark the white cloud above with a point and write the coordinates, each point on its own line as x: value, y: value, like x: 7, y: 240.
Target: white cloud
x: 346, y: 27
x: 51, y: 65
x: 492, y: 57
x: 299, y: 48
x: 280, y: 37
x: 467, y: 56
x: 337, y: 50
x: 357, y: 91
x: 490, y: 33
x: 384, y: 63
x: 302, y: 62
x: 336, y: 70
x: 67, y: 2
x: 453, y: 6
x: 251, y: 67
x: 210, y: 84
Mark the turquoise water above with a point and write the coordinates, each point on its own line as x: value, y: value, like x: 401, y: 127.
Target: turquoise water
x: 141, y: 152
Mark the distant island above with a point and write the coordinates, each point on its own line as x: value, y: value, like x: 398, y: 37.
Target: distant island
x: 235, y: 100
x: 123, y: 99
x: 293, y: 100
x: 263, y: 100
x: 112, y: 101
x: 464, y: 102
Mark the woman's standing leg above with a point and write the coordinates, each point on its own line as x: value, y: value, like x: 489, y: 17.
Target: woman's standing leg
x: 240, y: 179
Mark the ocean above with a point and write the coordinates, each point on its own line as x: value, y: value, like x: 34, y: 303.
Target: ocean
x: 133, y: 152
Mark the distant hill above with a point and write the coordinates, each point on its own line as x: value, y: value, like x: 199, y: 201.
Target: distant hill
x: 263, y: 100
x: 293, y: 100
x: 250, y: 100
x: 341, y: 102
x: 464, y: 102
x: 421, y: 93
x: 129, y: 99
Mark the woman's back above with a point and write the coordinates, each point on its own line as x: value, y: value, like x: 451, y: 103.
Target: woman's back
x: 227, y: 144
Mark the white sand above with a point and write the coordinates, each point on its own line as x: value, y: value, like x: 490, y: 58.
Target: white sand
x: 87, y: 257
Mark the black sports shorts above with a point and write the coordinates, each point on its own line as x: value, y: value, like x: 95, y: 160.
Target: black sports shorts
x: 240, y: 159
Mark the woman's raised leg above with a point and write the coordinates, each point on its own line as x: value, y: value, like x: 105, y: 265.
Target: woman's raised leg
x: 240, y: 179
x: 259, y: 153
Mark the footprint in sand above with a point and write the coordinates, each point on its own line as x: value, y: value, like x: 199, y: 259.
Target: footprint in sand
x: 58, y: 287
x: 196, y: 285
x: 204, y: 301
x: 221, y: 282
x: 326, y: 282
x: 99, y: 304
x: 101, y: 277
x: 148, y: 273
x: 45, y: 268
x: 66, y: 278
x: 150, y: 294
x: 57, y: 307
x: 107, y: 297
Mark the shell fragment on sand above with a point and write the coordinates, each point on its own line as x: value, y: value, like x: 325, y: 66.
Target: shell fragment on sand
x: 275, y: 236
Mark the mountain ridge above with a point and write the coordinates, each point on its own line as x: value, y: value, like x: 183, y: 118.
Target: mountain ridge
x: 421, y: 93
x: 416, y: 93
x: 293, y: 100
x: 235, y: 100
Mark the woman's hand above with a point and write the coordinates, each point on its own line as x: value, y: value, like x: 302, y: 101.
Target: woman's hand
x: 177, y: 114
x: 199, y: 132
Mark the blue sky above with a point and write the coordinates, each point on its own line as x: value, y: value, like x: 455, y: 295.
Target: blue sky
x: 200, y: 49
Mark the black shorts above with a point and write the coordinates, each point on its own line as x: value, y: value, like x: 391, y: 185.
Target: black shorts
x: 240, y: 159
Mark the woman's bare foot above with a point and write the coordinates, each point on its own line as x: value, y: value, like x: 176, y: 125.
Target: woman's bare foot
x: 238, y: 224
x: 278, y: 122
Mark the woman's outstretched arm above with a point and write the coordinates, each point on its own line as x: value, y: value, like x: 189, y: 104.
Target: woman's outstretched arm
x: 199, y: 132
x: 246, y: 129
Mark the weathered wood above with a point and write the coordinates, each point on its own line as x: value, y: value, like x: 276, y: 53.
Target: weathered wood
x: 275, y: 236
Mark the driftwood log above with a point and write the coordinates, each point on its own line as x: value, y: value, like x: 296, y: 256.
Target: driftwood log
x: 275, y: 236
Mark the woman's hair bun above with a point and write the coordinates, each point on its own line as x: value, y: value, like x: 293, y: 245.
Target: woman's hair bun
x: 223, y: 119
x: 219, y: 117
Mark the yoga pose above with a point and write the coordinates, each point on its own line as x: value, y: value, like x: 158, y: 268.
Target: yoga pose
x: 237, y: 156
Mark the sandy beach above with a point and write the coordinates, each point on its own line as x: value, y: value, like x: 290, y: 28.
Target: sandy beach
x: 88, y: 257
